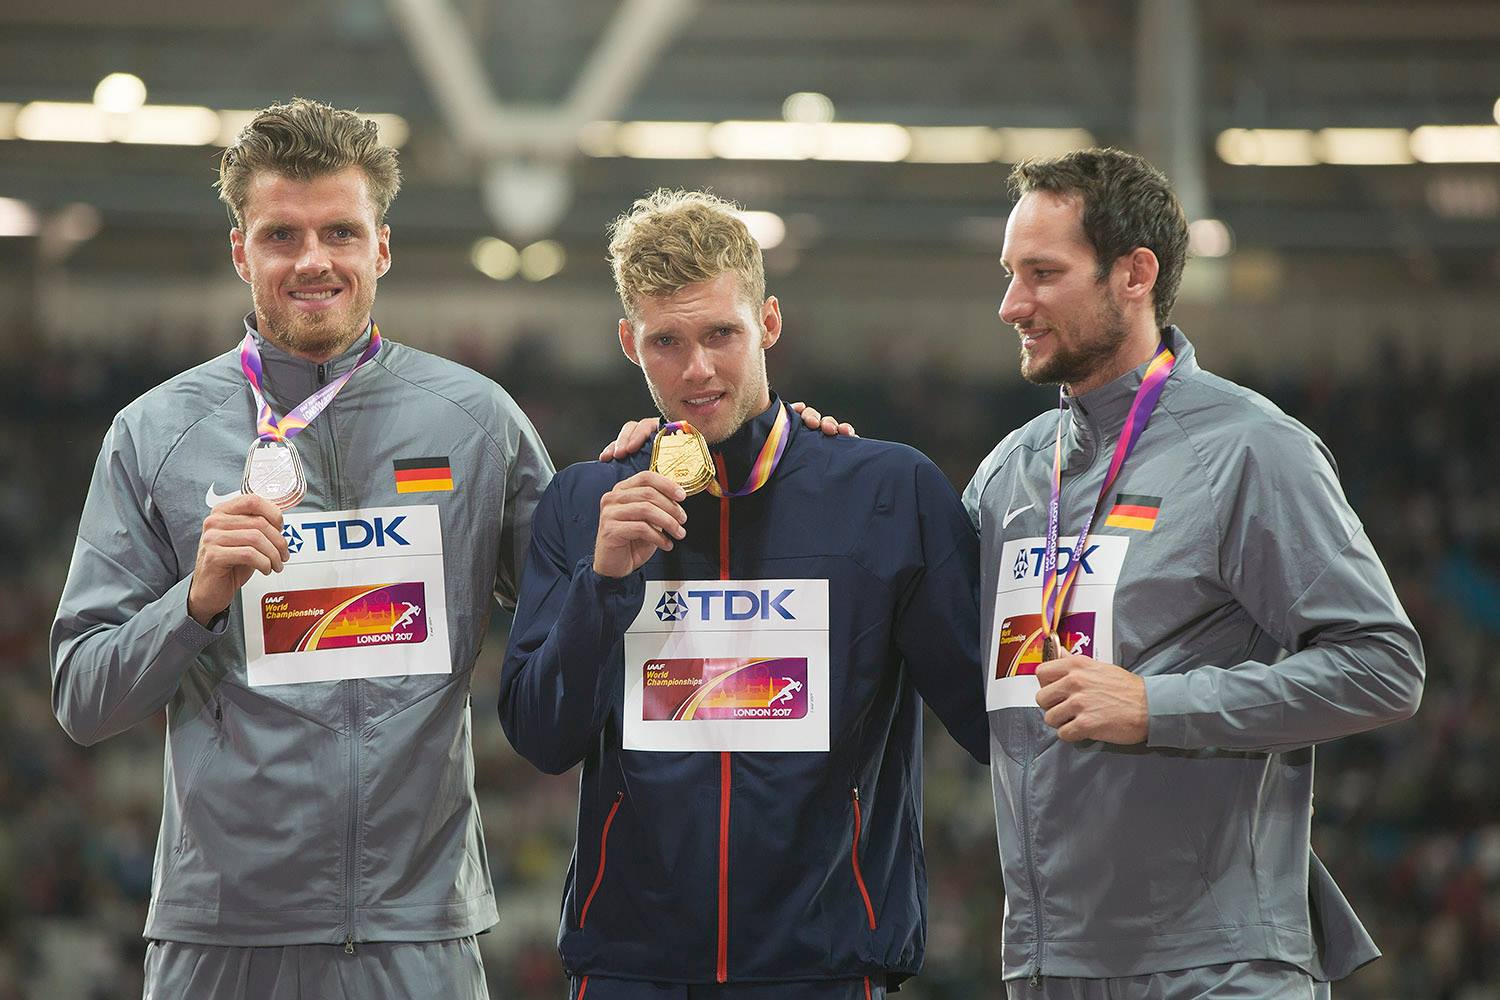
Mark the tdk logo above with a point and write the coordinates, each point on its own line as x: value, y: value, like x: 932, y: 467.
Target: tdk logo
x: 741, y: 605
x: 671, y: 607
x: 1029, y: 561
x: 354, y: 533
x: 293, y: 540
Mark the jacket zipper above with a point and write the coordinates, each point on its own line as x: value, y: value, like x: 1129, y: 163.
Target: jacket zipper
x: 352, y: 686
x: 859, y: 878
x: 1035, y: 980
x: 726, y: 769
x: 609, y: 820
x: 353, y: 810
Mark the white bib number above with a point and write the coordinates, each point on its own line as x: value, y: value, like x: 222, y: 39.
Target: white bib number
x: 361, y: 596
x: 728, y: 665
x: 1016, y: 634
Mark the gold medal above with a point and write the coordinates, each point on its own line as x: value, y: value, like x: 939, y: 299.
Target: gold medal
x: 683, y: 458
x: 273, y: 470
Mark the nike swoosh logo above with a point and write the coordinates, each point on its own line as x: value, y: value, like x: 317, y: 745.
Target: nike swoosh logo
x: 214, y: 499
x: 1011, y: 516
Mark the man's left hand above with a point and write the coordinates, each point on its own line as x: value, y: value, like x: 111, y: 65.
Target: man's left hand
x: 1085, y: 699
x: 634, y: 434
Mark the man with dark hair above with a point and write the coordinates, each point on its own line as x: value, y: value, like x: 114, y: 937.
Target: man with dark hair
x: 1158, y: 680
x: 739, y: 669
x: 312, y: 639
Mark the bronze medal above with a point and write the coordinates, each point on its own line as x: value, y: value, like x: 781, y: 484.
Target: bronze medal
x: 1051, y: 650
x: 683, y: 458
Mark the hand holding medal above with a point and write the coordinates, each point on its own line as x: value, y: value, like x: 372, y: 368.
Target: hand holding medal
x: 1084, y: 698
x: 240, y: 536
x: 643, y: 514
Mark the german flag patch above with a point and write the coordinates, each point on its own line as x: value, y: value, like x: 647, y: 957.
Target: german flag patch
x: 423, y: 475
x: 1132, y: 510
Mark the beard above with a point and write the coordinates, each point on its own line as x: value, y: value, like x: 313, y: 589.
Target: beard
x: 1090, y: 351
x: 322, y: 334
x: 743, y: 404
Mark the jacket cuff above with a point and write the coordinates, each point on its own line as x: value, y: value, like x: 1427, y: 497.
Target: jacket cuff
x: 185, y: 631
x: 1167, y: 711
x: 620, y: 596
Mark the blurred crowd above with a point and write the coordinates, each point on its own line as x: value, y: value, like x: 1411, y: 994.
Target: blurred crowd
x: 1407, y: 818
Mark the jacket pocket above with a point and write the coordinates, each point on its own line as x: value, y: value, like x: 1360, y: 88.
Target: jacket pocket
x: 609, y: 820
x: 193, y: 781
x: 859, y: 878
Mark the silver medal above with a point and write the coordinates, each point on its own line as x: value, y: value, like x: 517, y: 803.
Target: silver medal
x: 274, y: 471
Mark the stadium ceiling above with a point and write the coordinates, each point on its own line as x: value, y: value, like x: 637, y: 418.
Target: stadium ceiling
x: 512, y: 112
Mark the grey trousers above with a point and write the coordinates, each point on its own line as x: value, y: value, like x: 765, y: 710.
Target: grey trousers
x: 392, y: 970
x: 1239, y: 981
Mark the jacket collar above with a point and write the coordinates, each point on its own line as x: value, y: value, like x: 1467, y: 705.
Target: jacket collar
x: 290, y: 379
x: 1100, y: 414
x: 740, y: 449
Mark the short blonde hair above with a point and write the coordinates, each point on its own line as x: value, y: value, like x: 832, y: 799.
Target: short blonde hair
x: 304, y: 140
x: 671, y: 239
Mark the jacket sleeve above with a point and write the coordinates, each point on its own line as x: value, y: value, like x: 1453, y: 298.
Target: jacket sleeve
x: 122, y: 639
x: 563, y: 663
x: 1295, y: 556
x: 937, y: 617
x: 530, y: 472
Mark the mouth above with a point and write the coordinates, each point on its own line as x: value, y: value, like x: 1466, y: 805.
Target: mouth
x: 704, y: 405
x: 1031, y: 337
x: 314, y: 298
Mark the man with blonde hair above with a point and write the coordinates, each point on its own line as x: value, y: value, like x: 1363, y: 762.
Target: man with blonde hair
x: 735, y: 643
x: 312, y: 639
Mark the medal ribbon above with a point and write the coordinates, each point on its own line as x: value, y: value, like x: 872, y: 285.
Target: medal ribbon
x: 1055, y: 593
x: 765, y: 462
x: 266, y: 424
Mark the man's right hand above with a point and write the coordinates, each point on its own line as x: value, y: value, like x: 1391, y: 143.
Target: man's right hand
x: 240, y: 536
x: 639, y: 516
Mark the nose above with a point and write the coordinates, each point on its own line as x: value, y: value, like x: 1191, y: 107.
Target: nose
x: 1016, y: 305
x: 700, y: 366
x: 312, y: 256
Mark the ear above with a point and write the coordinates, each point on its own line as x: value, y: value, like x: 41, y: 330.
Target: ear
x: 237, y: 254
x: 627, y: 342
x: 770, y: 322
x: 383, y: 252
x: 1138, y: 270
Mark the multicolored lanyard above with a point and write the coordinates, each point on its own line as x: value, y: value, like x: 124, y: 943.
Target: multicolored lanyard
x: 1055, y: 593
x: 765, y: 462
x: 267, y: 426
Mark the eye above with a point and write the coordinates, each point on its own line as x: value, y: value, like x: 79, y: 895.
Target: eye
x: 279, y: 235
x: 1045, y: 272
x: 343, y: 233
x: 662, y: 340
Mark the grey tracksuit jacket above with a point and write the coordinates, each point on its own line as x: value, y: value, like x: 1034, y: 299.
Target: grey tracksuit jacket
x: 1262, y: 622
x: 324, y: 812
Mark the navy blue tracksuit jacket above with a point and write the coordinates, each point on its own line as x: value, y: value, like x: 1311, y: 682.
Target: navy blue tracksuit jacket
x: 756, y: 867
